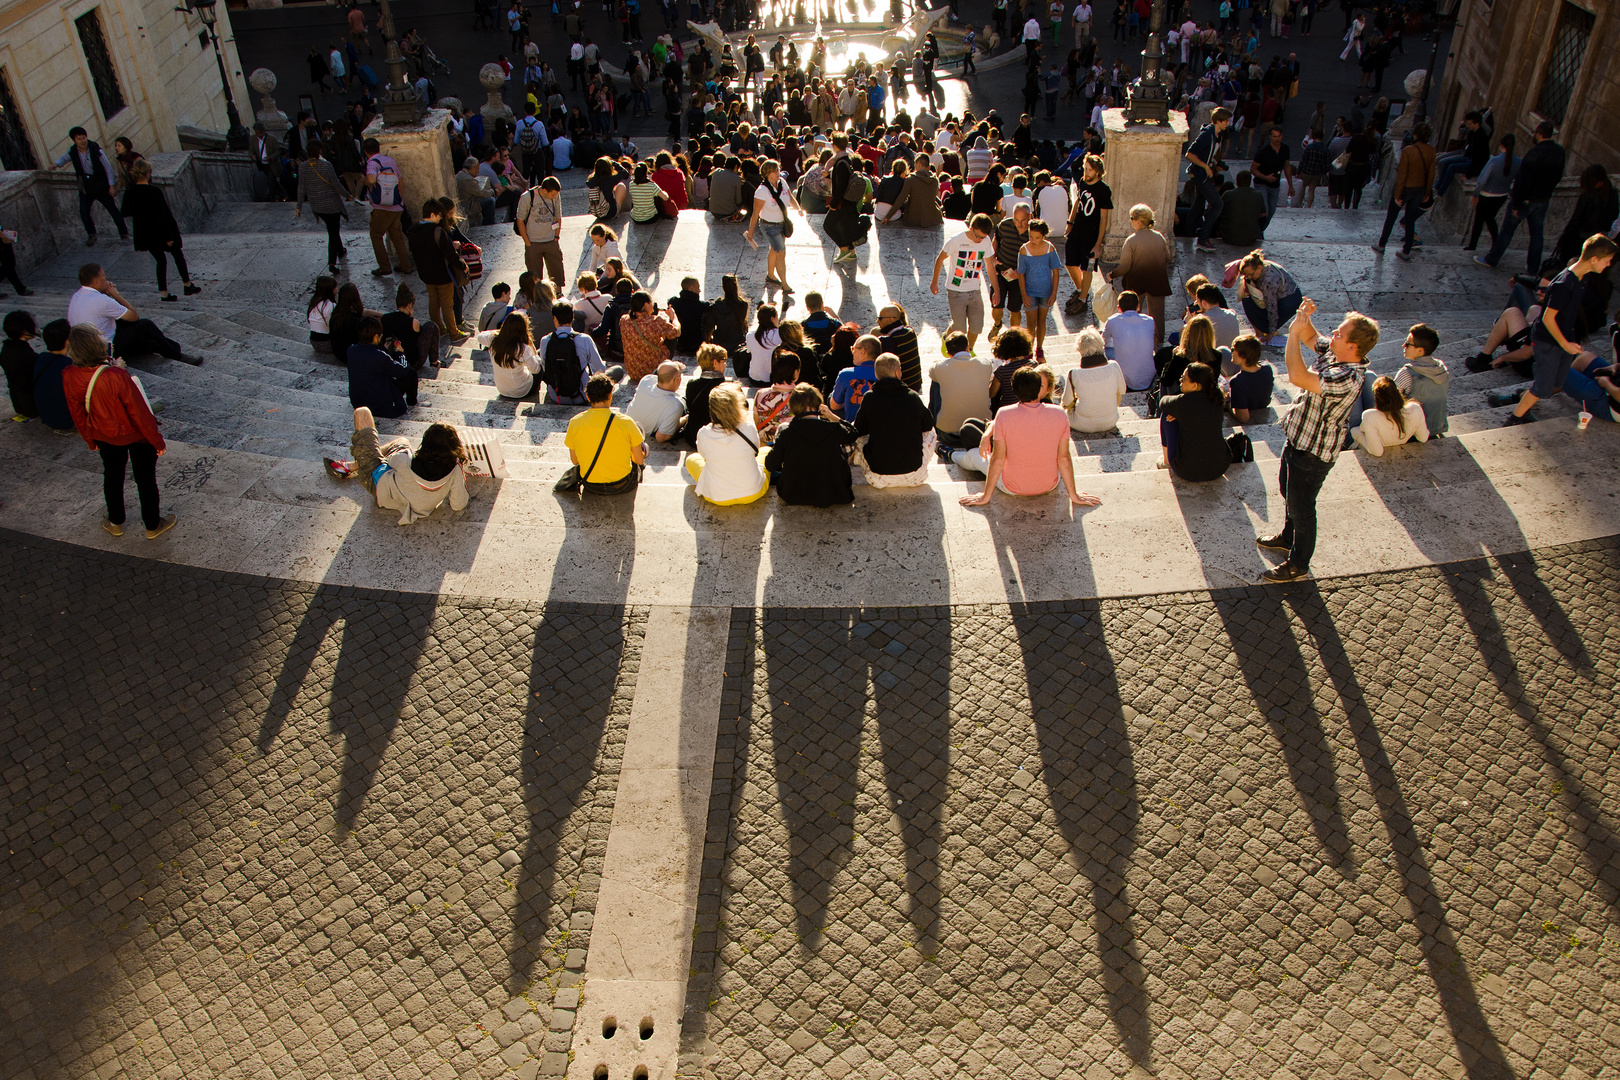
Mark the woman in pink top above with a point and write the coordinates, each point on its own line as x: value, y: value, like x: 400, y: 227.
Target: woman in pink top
x: 1031, y: 451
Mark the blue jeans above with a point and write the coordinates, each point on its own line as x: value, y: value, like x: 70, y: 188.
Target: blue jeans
x: 1593, y: 398
x: 1412, y: 203
x: 1535, y: 213
x: 1449, y: 167
x: 1260, y: 318
x: 1271, y: 195
x: 486, y: 207
x: 1301, y: 476
x: 1207, y: 198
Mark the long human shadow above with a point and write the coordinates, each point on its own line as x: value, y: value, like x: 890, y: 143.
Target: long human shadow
x: 646, y: 246
x: 1280, y: 686
x: 1086, y: 750
x: 1479, y: 1049
x: 819, y: 673
x: 1468, y: 586
x: 1454, y: 512
x: 381, y: 643
x: 577, y: 680
x: 1486, y: 526
x: 1087, y: 762
x: 382, y: 634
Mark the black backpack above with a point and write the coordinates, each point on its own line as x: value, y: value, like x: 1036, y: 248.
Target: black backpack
x: 562, y: 366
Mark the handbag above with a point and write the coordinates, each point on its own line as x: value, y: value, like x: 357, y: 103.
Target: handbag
x: 787, y: 222
x: 336, y: 190
x: 573, y: 478
x: 1342, y: 161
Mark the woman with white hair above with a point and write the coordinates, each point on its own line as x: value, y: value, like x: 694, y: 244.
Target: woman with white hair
x: 1092, y: 392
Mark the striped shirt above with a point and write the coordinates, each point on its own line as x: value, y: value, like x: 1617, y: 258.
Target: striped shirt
x: 1316, y: 423
x: 644, y: 201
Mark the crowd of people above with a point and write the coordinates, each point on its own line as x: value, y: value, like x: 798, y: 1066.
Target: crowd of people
x: 771, y: 135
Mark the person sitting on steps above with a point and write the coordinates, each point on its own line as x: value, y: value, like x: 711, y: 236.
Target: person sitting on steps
x: 606, y: 448
x: 896, y: 430
x: 413, y: 484
x: 725, y: 467
x: 1029, y: 453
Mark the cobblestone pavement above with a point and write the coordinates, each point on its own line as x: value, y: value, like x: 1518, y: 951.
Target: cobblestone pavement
x: 259, y: 829
x: 1361, y: 828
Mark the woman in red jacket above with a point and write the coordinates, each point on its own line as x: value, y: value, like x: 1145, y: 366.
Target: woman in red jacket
x: 110, y: 411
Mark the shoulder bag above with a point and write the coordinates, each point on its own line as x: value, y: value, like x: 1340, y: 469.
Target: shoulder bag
x: 787, y: 222
x: 573, y: 478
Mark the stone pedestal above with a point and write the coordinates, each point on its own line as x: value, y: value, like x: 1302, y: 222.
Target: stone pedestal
x: 422, y: 151
x: 495, y: 111
x: 274, y: 120
x: 1143, y: 165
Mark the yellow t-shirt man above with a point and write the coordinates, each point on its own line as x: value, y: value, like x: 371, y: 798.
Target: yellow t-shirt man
x: 585, y: 433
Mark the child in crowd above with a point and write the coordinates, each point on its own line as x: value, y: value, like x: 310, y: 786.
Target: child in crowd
x: 1249, y: 391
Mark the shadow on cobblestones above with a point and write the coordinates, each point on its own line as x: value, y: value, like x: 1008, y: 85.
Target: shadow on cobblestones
x: 1580, y: 797
x: 1478, y: 1047
x: 377, y: 659
x: 816, y: 716
x: 1086, y: 764
x: 1275, y: 673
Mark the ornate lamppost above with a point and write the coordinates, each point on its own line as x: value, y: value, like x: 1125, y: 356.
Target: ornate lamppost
x: 1149, y: 99
x: 236, y: 136
x: 400, y: 105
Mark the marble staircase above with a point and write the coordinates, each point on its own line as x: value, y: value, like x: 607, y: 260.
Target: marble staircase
x: 263, y: 408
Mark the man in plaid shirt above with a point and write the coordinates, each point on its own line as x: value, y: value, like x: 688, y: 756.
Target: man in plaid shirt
x: 1315, y: 427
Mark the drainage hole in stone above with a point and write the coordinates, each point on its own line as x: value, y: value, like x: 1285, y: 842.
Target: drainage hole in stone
x: 601, y: 1072
x: 609, y: 1027
x: 641, y: 1072
x: 646, y: 1027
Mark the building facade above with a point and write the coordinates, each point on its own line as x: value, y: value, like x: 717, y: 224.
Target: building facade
x: 136, y: 68
x: 1535, y: 60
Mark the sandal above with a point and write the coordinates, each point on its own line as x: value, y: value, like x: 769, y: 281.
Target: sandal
x: 338, y: 470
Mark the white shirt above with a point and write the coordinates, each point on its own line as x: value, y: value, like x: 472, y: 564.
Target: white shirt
x: 654, y: 409
x: 1129, y: 337
x: 1052, y: 207
x: 96, y: 308
x: 320, y: 317
x: 770, y: 211
x: 1032, y: 30
x: 600, y: 254
x: 964, y: 262
x: 516, y: 381
x: 759, y: 356
x: 334, y: 60
x: 1082, y: 13
x: 730, y: 465
x: 1378, y: 432
x: 1091, y: 397
x: 1008, y: 202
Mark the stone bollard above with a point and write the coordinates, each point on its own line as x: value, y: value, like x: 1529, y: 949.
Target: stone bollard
x: 274, y: 120
x: 492, y: 79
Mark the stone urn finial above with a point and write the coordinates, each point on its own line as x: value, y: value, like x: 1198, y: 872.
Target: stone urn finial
x: 274, y: 120
x: 492, y: 78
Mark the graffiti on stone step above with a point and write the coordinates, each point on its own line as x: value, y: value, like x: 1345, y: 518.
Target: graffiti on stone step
x: 190, y: 477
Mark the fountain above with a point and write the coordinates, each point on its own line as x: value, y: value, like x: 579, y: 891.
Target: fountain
x: 876, y: 40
